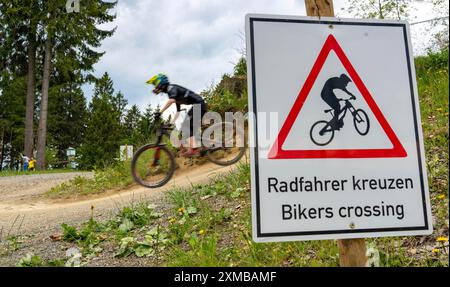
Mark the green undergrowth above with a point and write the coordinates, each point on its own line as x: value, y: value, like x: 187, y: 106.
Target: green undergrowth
x: 433, y: 85
x: 129, y: 220
x: 210, y: 225
x: 220, y: 235
x: 32, y: 260
x: 222, y: 102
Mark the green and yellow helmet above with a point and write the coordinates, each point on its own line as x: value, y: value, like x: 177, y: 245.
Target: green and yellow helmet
x: 159, y: 81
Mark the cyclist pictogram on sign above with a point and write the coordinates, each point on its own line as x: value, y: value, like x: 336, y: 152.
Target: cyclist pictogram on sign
x: 322, y: 132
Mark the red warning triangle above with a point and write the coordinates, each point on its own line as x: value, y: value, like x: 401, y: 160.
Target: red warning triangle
x: 277, y: 152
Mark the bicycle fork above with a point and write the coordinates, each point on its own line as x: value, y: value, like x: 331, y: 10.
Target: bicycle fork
x: 355, y: 114
x: 156, y: 157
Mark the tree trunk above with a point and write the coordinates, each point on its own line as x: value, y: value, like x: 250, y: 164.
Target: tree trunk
x: 322, y: 8
x: 352, y: 252
x: 31, y: 89
x: 3, y: 149
x: 42, y: 131
x: 380, y: 9
x: 11, y: 156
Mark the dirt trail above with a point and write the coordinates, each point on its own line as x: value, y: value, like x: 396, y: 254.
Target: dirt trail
x: 25, y: 188
x: 41, y: 215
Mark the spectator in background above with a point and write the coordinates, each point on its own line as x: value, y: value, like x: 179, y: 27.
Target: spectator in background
x: 32, y: 164
x: 25, y: 161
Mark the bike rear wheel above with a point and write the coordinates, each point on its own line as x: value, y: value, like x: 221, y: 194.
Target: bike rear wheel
x: 152, y: 165
x: 321, y: 133
x: 361, y: 122
x: 228, y: 150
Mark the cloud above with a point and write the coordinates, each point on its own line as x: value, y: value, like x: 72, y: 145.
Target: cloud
x: 193, y: 41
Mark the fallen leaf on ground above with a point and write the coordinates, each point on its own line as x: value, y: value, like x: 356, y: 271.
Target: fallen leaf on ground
x: 57, y: 237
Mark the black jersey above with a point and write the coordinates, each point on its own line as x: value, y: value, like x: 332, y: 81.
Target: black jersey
x: 183, y: 96
x: 334, y: 83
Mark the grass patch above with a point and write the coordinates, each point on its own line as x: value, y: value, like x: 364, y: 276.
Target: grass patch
x: 117, y: 176
x: 220, y: 234
x: 433, y: 85
x: 31, y: 260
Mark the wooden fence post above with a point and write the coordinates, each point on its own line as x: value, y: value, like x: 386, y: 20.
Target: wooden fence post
x: 352, y: 252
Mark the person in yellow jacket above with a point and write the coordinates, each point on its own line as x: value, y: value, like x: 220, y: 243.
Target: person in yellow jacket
x: 31, y: 164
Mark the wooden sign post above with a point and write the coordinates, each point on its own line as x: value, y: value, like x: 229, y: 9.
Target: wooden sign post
x: 352, y: 252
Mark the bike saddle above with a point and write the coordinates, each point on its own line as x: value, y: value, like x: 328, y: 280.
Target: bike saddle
x: 327, y: 111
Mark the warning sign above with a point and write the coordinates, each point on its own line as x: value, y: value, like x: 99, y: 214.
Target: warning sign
x: 322, y: 132
x: 337, y: 133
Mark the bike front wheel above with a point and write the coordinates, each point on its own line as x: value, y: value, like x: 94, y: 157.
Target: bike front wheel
x: 361, y: 122
x: 152, y: 165
x: 321, y: 133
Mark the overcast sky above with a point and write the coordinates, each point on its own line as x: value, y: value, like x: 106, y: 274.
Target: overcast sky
x: 193, y: 41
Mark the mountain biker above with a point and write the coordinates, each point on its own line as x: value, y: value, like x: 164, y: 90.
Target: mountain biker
x: 179, y: 95
x: 330, y: 98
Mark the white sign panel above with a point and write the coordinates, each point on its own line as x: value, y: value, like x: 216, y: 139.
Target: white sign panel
x: 337, y: 132
x: 126, y: 152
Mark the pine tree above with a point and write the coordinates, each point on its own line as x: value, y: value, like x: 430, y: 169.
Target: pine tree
x: 103, y: 131
x: 70, y: 39
x: 67, y: 117
x: 147, y: 125
x: 120, y: 104
x: 47, y: 49
x: 30, y: 7
x: 131, y: 125
x: 12, y: 116
x: 13, y: 70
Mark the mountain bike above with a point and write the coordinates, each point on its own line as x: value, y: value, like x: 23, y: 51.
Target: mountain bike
x: 153, y: 165
x: 322, y: 132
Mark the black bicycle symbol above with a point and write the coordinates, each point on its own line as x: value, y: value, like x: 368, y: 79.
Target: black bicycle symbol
x: 322, y: 132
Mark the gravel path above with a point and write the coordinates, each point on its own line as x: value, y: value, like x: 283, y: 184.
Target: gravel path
x: 26, y: 188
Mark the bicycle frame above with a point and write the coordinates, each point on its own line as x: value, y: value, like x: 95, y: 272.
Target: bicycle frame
x: 359, y: 116
x: 342, y: 113
x: 351, y: 108
x: 347, y: 106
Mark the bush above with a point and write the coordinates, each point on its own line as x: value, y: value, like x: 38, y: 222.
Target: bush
x: 226, y: 102
x: 433, y: 61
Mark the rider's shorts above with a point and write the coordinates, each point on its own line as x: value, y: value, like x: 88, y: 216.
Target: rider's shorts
x: 188, y: 123
x: 330, y: 98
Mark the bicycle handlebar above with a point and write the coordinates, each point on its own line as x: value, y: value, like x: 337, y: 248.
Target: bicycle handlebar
x: 343, y: 100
